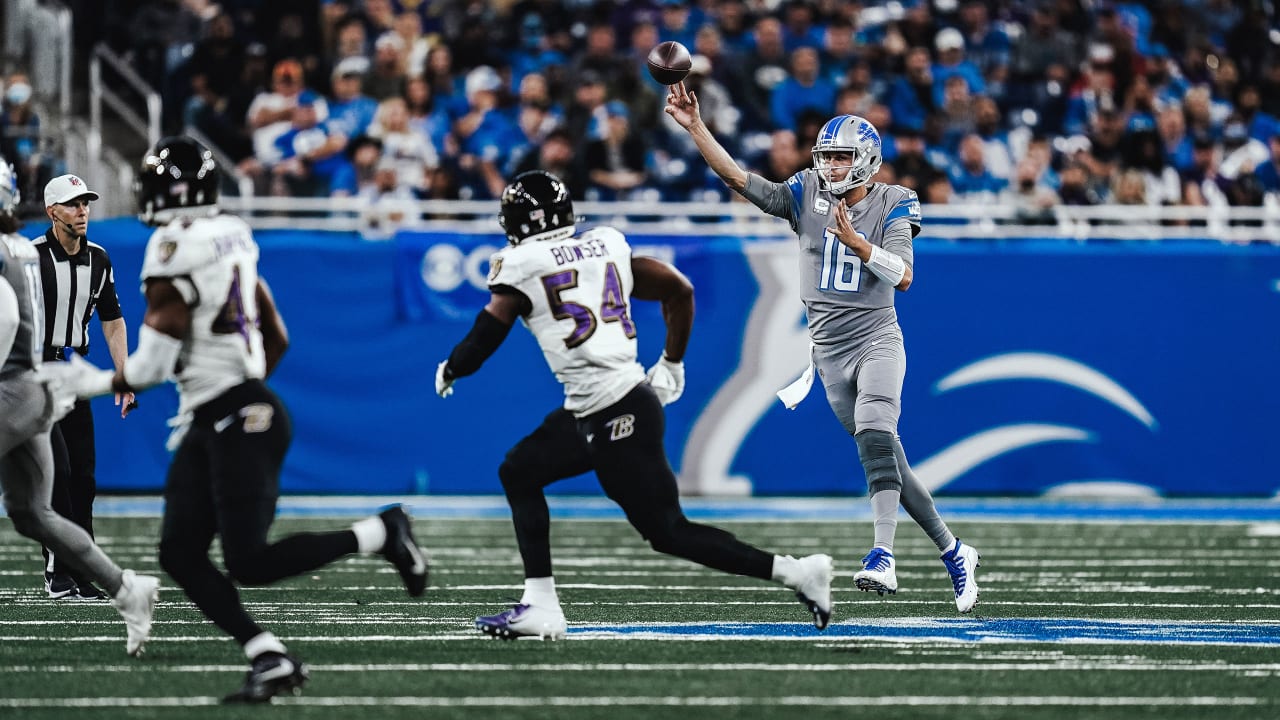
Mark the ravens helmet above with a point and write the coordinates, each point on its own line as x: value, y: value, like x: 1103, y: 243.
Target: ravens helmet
x: 846, y: 135
x: 9, y: 195
x: 536, y: 206
x: 177, y: 173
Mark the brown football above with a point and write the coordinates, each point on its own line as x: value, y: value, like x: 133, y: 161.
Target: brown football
x: 669, y: 62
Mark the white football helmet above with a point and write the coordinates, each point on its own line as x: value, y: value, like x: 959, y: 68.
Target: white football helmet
x: 847, y: 134
x: 9, y: 195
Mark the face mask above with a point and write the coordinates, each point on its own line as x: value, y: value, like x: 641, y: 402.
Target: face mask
x: 18, y: 93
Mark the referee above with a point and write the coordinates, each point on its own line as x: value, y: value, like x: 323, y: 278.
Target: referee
x: 77, y: 280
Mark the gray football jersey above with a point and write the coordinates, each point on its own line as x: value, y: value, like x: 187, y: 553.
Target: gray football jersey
x: 843, y: 299
x: 20, y: 265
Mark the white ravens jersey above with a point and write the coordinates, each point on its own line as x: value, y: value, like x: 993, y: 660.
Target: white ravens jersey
x: 580, y: 289
x: 213, y: 262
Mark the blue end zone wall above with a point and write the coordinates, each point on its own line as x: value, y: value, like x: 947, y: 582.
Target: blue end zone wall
x: 1032, y: 364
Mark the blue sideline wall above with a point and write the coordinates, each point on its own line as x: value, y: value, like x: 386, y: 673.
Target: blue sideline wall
x: 1034, y: 366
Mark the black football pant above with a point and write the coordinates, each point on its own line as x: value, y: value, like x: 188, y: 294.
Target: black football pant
x: 624, y: 445
x: 225, y: 480
x: 75, y: 486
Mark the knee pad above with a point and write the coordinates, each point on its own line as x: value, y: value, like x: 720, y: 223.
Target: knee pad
x: 875, y: 450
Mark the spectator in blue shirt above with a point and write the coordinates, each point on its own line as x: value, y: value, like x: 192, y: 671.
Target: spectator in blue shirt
x: 675, y: 22
x: 910, y: 97
x: 350, y: 111
x: 798, y: 27
x: 970, y: 179
x: 951, y: 62
x: 534, y: 53
x: 1268, y: 173
x: 986, y: 46
x: 804, y: 90
x: 1174, y: 138
x: 305, y: 161
x: 485, y: 135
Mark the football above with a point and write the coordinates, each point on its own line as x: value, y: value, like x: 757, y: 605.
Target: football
x: 669, y: 62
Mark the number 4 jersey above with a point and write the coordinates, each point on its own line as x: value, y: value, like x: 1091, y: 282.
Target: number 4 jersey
x: 580, y: 289
x: 213, y: 263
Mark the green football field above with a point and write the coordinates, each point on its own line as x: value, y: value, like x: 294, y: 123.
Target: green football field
x: 1078, y: 619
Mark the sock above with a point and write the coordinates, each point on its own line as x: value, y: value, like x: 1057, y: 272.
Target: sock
x: 785, y: 569
x: 884, y: 507
x: 262, y: 643
x: 541, y: 592
x: 371, y: 534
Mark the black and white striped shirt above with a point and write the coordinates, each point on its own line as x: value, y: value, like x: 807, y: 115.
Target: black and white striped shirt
x: 74, y: 286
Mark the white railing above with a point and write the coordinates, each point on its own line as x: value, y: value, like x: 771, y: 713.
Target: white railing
x: 107, y: 93
x: 740, y: 219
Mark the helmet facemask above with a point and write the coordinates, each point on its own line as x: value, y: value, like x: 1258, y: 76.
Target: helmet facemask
x: 858, y: 142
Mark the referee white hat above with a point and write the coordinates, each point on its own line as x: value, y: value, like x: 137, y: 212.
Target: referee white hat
x: 66, y: 188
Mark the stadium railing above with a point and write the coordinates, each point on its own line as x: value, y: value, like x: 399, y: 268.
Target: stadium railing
x: 994, y: 221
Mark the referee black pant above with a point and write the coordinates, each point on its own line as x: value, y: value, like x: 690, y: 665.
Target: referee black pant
x: 75, y: 485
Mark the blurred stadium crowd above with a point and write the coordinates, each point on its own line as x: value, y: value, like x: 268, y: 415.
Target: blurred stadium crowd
x: 1036, y: 103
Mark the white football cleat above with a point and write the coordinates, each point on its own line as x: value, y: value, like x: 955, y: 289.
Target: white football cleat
x: 523, y: 620
x: 135, y: 602
x: 962, y: 563
x: 878, y: 572
x: 814, y: 587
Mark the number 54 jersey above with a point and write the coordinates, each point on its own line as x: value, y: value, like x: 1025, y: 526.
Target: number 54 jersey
x: 580, y: 289
x: 213, y: 263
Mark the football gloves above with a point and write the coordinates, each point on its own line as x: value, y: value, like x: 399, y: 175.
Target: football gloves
x: 444, y: 386
x: 667, y: 380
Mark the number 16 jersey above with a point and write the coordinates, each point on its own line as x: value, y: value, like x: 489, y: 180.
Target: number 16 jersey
x: 213, y: 263
x: 580, y: 290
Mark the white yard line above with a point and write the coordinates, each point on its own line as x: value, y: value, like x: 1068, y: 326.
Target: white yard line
x: 1057, y: 665
x: 658, y: 701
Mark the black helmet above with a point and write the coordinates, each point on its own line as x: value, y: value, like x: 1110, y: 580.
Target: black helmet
x: 177, y: 173
x: 536, y: 205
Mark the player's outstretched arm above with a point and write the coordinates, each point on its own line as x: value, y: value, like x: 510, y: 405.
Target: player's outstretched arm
x: 656, y: 280
x: 486, y: 335
x: 275, y: 337
x: 165, y: 323
x: 682, y: 106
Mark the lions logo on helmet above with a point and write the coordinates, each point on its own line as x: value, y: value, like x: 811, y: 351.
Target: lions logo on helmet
x: 177, y: 173
x: 536, y: 206
x: 846, y: 135
x: 9, y: 195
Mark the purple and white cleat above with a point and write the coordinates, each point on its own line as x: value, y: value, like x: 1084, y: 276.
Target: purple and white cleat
x: 524, y: 620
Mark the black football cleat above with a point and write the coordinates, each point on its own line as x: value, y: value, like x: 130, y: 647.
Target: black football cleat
x: 86, y: 590
x: 403, y: 552
x: 59, y: 586
x: 272, y: 674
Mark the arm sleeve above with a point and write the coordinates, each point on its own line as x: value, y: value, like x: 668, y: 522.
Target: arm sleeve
x: 897, y: 239
x: 485, y: 337
x: 778, y: 199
